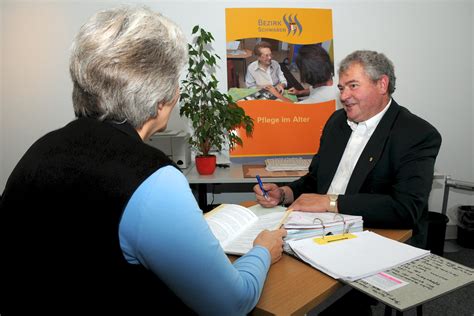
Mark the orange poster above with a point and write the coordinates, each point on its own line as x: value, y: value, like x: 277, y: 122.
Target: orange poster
x: 280, y: 67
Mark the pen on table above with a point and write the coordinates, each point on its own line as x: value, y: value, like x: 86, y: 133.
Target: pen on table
x: 260, y: 184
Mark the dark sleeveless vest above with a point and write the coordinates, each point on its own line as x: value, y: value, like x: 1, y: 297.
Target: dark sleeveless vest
x: 59, y: 219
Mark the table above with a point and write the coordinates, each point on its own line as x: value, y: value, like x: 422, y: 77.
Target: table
x: 294, y: 288
x: 232, y: 174
x: 239, y: 93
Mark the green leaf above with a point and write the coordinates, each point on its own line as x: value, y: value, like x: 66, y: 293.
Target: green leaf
x: 212, y: 114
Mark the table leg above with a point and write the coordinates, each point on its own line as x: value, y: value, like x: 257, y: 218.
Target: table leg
x: 202, y: 196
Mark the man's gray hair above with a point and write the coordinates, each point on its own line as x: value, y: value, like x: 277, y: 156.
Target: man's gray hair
x: 375, y: 66
x: 124, y: 62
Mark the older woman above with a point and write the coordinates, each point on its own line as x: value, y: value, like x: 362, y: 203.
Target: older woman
x: 93, y: 218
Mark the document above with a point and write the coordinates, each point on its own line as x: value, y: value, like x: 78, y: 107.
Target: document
x: 236, y: 226
x: 423, y: 280
x: 319, y: 219
x: 356, y: 255
x: 307, y: 224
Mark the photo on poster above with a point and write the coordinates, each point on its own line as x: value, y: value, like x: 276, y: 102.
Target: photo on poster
x: 280, y: 67
x: 273, y: 63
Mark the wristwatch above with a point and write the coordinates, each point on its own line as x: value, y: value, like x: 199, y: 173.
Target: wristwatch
x: 333, y: 202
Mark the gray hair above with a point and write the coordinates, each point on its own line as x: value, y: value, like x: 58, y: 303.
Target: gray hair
x: 124, y: 62
x: 375, y: 66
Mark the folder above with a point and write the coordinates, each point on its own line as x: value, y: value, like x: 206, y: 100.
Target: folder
x: 355, y: 258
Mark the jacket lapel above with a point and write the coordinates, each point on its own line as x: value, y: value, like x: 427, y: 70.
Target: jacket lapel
x: 373, y: 150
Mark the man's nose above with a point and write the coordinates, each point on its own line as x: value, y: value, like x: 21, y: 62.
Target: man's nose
x: 344, y: 94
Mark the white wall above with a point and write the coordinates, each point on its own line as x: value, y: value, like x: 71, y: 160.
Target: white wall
x: 430, y: 42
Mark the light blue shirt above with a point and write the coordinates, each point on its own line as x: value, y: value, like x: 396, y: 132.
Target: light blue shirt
x: 163, y: 229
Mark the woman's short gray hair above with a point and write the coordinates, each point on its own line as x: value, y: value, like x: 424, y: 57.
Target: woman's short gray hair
x: 375, y: 66
x: 124, y: 62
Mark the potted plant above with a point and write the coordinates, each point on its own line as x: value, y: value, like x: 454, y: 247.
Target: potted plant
x: 214, y: 115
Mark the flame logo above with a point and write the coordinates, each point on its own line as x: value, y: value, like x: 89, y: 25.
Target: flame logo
x: 292, y: 24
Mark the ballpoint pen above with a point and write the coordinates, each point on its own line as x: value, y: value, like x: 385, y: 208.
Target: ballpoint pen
x: 260, y: 184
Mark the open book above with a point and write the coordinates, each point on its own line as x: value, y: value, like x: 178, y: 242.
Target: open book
x: 237, y: 226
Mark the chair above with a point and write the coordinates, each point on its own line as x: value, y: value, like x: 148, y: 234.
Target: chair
x: 232, y: 77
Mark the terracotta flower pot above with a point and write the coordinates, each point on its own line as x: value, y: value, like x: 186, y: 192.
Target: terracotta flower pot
x: 206, y: 164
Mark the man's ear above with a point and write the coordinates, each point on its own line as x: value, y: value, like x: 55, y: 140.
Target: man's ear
x: 383, y: 84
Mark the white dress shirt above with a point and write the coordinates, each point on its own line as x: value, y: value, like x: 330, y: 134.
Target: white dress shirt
x: 361, y: 133
x: 258, y: 77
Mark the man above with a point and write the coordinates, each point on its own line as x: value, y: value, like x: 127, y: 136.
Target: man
x: 92, y: 219
x: 376, y: 159
x: 265, y: 72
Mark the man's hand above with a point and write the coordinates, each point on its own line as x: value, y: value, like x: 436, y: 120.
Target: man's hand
x: 298, y: 93
x: 293, y: 91
x: 273, y: 194
x: 273, y: 241
x: 310, y: 202
x: 273, y: 91
x: 280, y: 88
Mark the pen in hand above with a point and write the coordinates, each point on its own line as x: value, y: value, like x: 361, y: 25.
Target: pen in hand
x: 260, y: 184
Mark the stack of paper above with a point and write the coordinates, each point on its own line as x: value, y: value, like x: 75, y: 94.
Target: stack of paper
x: 306, y: 224
x: 354, y: 258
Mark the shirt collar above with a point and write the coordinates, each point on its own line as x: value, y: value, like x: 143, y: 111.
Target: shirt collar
x: 260, y: 68
x: 372, y: 122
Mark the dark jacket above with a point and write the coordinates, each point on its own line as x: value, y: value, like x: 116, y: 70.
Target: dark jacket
x: 59, y: 223
x: 392, y: 179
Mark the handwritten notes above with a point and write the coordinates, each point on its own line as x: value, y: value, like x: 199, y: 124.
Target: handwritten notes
x: 428, y: 278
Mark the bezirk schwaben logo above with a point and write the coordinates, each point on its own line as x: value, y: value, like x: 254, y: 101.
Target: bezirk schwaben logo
x: 292, y: 24
x: 289, y: 25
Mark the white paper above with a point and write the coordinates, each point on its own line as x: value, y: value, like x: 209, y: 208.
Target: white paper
x: 355, y: 258
x: 294, y: 234
x: 243, y: 242
x: 236, y: 227
x: 319, y: 219
x: 230, y: 220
